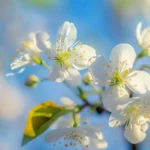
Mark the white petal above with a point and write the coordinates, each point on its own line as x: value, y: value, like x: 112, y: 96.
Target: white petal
x: 146, y: 38
x: 44, y: 43
x: 138, y: 33
x: 30, y: 45
x: 66, y: 36
x: 22, y: 61
x: 45, y: 38
x: 114, y: 96
x: 56, y: 74
x: 91, y: 131
x: 67, y: 103
x: 144, y: 127
x: 81, y: 56
x: 32, y: 37
x: 56, y: 134
x: 73, y: 77
x: 145, y: 102
x: 114, y: 119
x: 122, y: 57
x: 96, y: 144
x: 139, y: 81
x: 61, y: 123
x: 99, y: 69
x: 134, y: 134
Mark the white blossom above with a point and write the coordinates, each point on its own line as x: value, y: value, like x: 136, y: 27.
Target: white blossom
x: 143, y: 38
x: 118, y: 74
x: 88, y: 137
x: 68, y: 56
x: 135, y: 116
x: 27, y: 54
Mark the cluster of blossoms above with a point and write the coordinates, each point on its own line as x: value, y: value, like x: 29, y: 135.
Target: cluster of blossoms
x: 64, y: 135
x: 117, y: 75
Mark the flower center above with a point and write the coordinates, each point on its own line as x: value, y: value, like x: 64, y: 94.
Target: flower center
x: 117, y: 79
x: 131, y: 113
x: 76, y: 137
x: 72, y: 139
x: 63, y: 58
x: 133, y: 110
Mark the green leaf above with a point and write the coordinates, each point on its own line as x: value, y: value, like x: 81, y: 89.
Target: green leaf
x: 40, y: 118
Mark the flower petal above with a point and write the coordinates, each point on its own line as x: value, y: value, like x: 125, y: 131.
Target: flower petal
x: 30, y: 46
x: 56, y: 74
x: 144, y: 127
x: 91, y: 131
x: 61, y: 122
x: 146, y: 38
x: 122, y: 57
x: 56, y: 134
x: 138, y: 33
x: 114, y: 96
x: 134, y: 134
x: 32, y: 37
x: 145, y: 102
x: 139, y: 81
x: 44, y: 43
x: 99, y: 69
x: 73, y: 77
x: 114, y: 119
x: 81, y: 55
x: 67, y: 103
x: 22, y: 61
x: 66, y: 36
x: 97, y: 144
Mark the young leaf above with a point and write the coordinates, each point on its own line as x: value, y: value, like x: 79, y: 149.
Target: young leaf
x: 40, y: 118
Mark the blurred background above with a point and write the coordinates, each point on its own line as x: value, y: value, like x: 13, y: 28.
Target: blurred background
x: 101, y: 24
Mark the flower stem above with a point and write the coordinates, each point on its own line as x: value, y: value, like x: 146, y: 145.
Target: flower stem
x: 141, y: 54
x: 134, y: 147
x: 74, y: 119
x: 45, y: 65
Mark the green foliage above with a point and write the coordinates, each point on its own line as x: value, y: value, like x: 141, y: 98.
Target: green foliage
x: 40, y: 118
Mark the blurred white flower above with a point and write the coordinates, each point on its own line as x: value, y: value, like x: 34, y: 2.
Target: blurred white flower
x: 87, y: 78
x: 27, y: 54
x: 66, y: 122
x: 135, y: 115
x: 11, y: 102
x: 67, y: 56
x: 67, y: 103
x: 143, y: 39
x: 118, y: 75
x: 88, y: 137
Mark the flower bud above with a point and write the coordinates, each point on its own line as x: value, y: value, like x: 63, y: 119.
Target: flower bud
x: 87, y: 79
x: 32, y: 81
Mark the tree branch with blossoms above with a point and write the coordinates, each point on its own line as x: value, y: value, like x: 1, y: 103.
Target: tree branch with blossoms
x: 114, y: 81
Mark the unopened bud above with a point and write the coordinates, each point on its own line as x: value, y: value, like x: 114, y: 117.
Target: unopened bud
x: 87, y: 79
x: 32, y: 81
